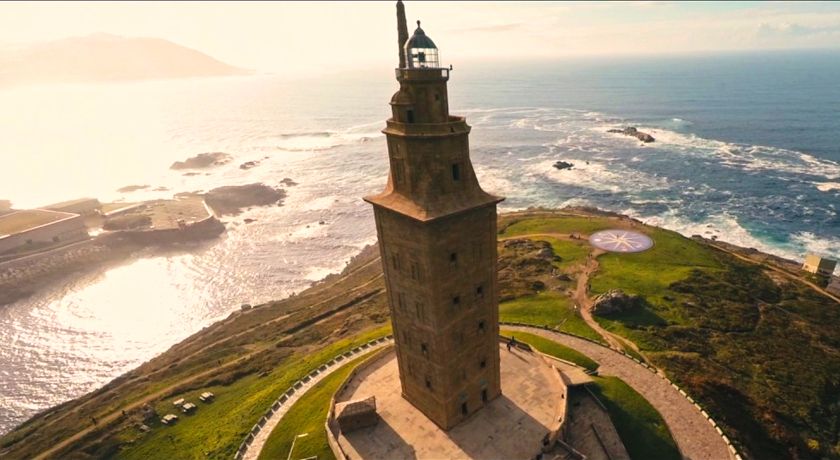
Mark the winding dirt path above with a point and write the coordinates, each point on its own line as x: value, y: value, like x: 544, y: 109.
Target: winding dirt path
x: 583, y: 302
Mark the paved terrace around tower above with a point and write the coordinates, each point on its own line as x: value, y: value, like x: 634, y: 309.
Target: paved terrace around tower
x: 511, y: 426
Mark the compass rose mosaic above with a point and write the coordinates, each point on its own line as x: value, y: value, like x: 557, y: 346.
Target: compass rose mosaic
x: 621, y: 241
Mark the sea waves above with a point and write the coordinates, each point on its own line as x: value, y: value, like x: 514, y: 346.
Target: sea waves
x: 769, y: 198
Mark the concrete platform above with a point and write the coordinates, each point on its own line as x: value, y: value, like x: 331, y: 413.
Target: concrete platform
x: 511, y: 427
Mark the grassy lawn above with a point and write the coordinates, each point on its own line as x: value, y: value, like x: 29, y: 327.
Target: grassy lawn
x: 649, y: 273
x: 571, y: 252
x: 308, y: 415
x: 586, y: 225
x: 547, y: 308
x: 552, y: 348
x: 639, y: 425
x: 216, y: 429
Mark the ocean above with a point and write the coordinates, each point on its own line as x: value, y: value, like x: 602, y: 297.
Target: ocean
x: 745, y: 150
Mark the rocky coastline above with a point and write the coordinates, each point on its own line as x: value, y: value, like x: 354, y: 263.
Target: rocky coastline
x: 25, y: 276
x: 139, y: 229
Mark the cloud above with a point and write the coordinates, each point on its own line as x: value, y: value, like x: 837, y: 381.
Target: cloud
x: 786, y: 29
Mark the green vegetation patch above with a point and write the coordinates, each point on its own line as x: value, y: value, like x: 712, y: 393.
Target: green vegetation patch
x: 553, y: 348
x: 564, y: 225
x: 216, y: 429
x: 650, y: 273
x: 640, y: 426
x: 570, y: 252
x: 308, y: 415
x: 758, y: 354
x: 547, y: 309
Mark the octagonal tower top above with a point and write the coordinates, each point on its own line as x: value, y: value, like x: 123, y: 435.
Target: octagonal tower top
x: 420, y: 51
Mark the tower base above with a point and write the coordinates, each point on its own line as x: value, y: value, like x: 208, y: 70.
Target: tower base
x: 513, y: 425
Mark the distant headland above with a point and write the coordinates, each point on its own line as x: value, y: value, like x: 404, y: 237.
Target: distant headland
x: 106, y: 57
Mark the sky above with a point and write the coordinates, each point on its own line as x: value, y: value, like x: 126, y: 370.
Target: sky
x: 303, y: 38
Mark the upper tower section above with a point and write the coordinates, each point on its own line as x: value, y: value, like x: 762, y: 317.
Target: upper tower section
x: 422, y: 97
x: 431, y: 175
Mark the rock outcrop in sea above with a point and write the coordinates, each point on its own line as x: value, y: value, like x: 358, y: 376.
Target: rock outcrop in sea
x: 232, y: 199
x: 203, y: 160
x: 632, y: 131
x: 561, y: 165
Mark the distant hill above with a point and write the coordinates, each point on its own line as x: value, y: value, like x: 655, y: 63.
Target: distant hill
x: 105, y: 57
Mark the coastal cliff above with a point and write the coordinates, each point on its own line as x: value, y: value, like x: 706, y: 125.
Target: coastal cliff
x: 748, y: 339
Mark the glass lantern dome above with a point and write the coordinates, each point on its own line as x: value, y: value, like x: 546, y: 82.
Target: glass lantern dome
x: 420, y: 50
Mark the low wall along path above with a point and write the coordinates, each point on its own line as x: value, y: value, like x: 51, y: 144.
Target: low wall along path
x: 696, y: 434
x: 253, y: 444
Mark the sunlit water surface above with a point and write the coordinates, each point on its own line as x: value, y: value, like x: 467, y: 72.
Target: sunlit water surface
x: 738, y: 155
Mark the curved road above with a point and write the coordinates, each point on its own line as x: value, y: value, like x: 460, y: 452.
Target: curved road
x: 255, y: 448
x: 696, y: 438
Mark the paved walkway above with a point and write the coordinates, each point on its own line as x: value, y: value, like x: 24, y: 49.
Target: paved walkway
x: 509, y: 427
x: 694, y: 435
x: 256, y: 446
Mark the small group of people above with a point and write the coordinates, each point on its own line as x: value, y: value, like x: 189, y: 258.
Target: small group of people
x: 511, y: 343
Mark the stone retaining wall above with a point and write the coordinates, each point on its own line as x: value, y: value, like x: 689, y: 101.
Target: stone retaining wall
x: 733, y: 451
x: 284, y: 397
x: 331, y: 425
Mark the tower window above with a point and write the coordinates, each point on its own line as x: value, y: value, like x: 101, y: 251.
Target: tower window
x: 479, y: 291
x: 399, y: 173
x: 425, y: 349
x: 453, y: 257
x: 483, y: 363
x: 409, y: 115
x: 428, y: 382
x: 437, y: 96
x: 464, y: 408
x: 456, y: 171
x: 481, y: 326
x: 456, y: 300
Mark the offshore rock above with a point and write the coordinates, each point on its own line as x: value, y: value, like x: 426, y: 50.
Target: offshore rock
x: 632, y: 131
x: 132, y: 188
x: 231, y: 200
x: 561, y: 165
x: 203, y: 160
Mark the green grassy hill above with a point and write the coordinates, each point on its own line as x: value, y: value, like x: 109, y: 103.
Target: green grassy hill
x: 760, y: 350
x: 755, y: 346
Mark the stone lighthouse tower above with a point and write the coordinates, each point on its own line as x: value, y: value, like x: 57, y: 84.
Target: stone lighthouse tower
x: 437, y: 237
